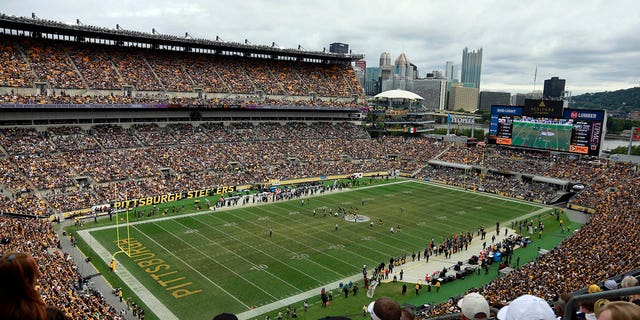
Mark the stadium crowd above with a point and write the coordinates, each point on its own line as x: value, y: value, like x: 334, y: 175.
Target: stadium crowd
x: 64, y: 168
x: 59, y: 283
x: 104, y: 162
x: 65, y: 65
x: 45, y: 181
x: 611, y: 233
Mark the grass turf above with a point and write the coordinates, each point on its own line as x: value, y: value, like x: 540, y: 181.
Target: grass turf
x: 231, y: 258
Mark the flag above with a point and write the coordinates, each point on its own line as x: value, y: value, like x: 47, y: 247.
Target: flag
x: 412, y: 130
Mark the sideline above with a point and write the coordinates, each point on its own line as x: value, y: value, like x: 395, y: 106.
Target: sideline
x: 150, y: 300
x: 154, y: 305
x: 414, y: 272
x: 186, y: 215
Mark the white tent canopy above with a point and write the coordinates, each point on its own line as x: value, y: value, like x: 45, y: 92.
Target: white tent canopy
x: 398, y: 94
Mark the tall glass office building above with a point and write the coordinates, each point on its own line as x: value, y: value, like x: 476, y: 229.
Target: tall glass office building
x: 471, y: 67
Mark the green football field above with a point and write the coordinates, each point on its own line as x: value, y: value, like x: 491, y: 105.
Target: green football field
x: 200, y: 265
x: 541, y: 135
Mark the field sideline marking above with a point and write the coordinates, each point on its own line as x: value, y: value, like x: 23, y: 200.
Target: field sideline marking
x: 149, y: 299
x: 216, y: 261
x: 485, y: 194
x: 265, y: 308
x: 188, y: 265
x: 186, y: 215
x: 156, y: 306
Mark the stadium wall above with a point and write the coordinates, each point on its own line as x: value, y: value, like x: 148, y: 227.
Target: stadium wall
x: 146, y: 113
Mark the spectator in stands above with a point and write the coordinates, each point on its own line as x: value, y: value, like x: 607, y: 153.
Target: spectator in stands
x: 629, y: 282
x: 384, y: 308
x: 474, y: 306
x: 611, y: 284
x: 594, y: 288
x: 58, y: 279
x: 408, y: 314
x: 587, y: 310
x: 527, y: 307
x: 225, y: 316
x: 19, y: 298
x: 619, y: 310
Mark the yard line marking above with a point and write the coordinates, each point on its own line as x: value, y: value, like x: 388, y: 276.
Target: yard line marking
x: 274, y: 258
x: 214, y: 260
x: 190, y: 267
x: 245, y: 259
x: 155, y: 305
x: 324, y: 230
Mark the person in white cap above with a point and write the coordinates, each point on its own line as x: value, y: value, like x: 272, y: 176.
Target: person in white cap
x: 384, y: 309
x: 527, y: 307
x: 611, y: 284
x: 474, y: 306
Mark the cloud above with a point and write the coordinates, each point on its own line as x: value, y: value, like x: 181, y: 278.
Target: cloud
x: 592, y: 43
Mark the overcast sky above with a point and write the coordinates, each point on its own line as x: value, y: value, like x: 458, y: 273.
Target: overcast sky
x: 594, y: 45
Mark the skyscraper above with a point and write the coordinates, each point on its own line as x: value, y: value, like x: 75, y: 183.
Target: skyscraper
x: 385, y: 59
x: 451, y: 72
x: 433, y: 90
x: 471, y: 67
x: 553, y: 88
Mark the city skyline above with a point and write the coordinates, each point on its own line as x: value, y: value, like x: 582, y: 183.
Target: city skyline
x: 594, y: 45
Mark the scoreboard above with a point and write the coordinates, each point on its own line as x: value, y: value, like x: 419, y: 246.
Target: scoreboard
x: 567, y: 130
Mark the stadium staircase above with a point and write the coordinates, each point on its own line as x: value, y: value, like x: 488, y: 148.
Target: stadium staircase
x: 115, y: 68
x: 24, y: 176
x: 283, y: 90
x: 302, y: 80
x: 26, y: 60
x: 250, y: 79
x: 226, y: 85
x: 561, y: 197
x: 146, y: 62
x: 84, y: 81
x: 441, y: 153
x: 186, y: 72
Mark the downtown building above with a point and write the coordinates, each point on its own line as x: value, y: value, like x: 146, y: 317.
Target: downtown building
x: 462, y: 98
x: 554, y: 88
x: 471, y: 67
x: 433, y: 89
x: 491, y: 98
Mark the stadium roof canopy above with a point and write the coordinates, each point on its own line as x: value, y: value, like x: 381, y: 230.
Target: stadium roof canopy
x: 550, y: 180
x: 450, y: 164
x: 398, y: 94
x: 42, y: 28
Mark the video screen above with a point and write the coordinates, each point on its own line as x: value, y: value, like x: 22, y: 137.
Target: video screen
x: 577, y: 131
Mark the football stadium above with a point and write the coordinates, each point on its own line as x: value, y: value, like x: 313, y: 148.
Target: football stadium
x: 148, y: 176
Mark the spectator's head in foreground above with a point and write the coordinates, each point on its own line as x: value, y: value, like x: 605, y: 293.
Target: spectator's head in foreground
x: 225, y: 316
x: 474, y: 306
x: 19, y: 298
x: 527, y: 307
x: 385, y: 309
x: 619, y: 310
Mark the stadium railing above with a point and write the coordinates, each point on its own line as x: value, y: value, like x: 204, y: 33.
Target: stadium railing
x: 570, y: 309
